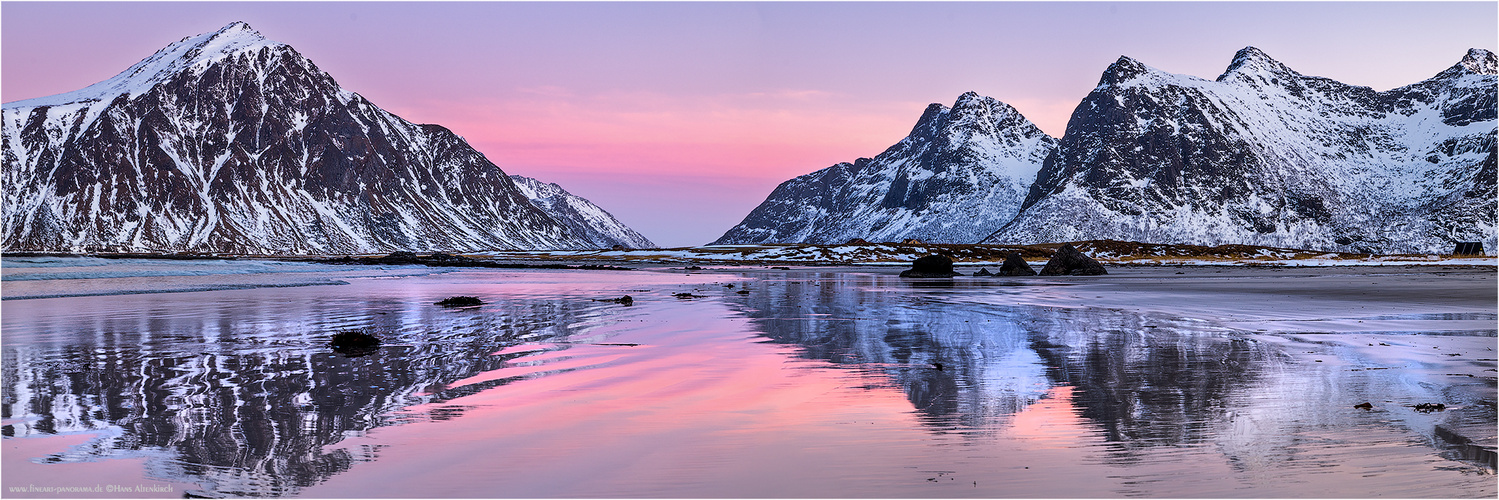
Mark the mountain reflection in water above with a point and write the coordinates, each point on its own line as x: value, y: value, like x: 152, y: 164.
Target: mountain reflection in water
x: 246, y: 401
x: 1144, y: 381
x: 237, y: 391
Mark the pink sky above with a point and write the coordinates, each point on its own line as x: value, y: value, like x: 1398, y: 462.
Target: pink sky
x: 679, y: 118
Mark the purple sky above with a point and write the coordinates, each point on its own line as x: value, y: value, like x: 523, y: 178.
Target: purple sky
x: 679, y: 118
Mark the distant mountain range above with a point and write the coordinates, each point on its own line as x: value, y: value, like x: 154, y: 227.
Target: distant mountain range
x: 582, y: 217
x: 229, y: 142
x: 1261, y: 156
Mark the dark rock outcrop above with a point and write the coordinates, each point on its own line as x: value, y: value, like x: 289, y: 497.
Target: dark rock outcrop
x: 931, y: 266
x: 983, y: 271
x: 1070, y: 262
x: 1016, y: 266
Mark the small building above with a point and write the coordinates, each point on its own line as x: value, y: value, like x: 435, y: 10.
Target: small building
x: 1468, y: 248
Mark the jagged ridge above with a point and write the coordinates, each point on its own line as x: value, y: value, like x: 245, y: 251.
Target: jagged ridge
x: 1267, y: 156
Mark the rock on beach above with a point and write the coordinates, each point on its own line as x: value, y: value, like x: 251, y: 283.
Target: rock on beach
x: 1070, y: 262
x: 931, y: 266
x: 1016, y: 266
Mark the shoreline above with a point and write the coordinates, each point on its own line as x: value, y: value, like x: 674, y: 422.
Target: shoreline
x: 1109, y: 252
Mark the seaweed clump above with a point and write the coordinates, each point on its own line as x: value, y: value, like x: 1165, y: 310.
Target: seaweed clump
x: 460, y: 301
x: 354, y: 344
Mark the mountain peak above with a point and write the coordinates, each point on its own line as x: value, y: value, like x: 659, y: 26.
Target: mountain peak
x: 238, y: 31
x: 972, y: 100
x: 1123, y: 70
x: 1250, y: 60
x: 190, y: 53
x: 238, y: 27
x: 234, y: 37
x: 1479, y: 61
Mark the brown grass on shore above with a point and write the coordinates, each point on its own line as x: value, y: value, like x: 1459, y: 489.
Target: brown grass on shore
x: 1109, y: 251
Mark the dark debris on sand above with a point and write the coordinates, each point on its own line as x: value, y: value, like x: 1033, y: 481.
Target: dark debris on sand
x: 354, y: 344
x: 626, y: 300
x: 1429, y: 407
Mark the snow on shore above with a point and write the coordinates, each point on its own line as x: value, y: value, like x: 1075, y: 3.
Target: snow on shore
x: 903, y: 254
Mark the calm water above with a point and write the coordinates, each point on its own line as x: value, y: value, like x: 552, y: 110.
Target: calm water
x: 813, y: 384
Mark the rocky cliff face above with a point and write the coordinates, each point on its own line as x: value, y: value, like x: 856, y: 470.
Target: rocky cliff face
x: 961, y: 174
x: 1267, y: 156
x: 229, y: 142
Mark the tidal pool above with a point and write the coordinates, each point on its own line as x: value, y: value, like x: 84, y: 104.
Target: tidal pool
x: 816, y: 383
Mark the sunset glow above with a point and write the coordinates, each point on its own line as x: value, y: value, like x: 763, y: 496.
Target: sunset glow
x: 680, y: 117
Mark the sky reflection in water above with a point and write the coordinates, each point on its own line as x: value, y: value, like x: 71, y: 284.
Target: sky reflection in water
x: 814, y: 384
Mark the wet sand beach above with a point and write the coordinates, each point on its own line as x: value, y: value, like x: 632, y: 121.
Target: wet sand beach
x: 757, y: 382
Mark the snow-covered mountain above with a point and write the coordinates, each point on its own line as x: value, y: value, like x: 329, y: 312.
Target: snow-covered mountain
x: 581, y: 216
x: 960, y: 175
x: 1267, y: 156
x: 1263, y: 156
x: 230, y: 142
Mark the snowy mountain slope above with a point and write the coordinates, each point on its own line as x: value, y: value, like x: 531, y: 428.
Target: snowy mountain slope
x: 1267, y: 156
x: 229, y: 142
x: 581, y: 216
x: 960, y: 174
